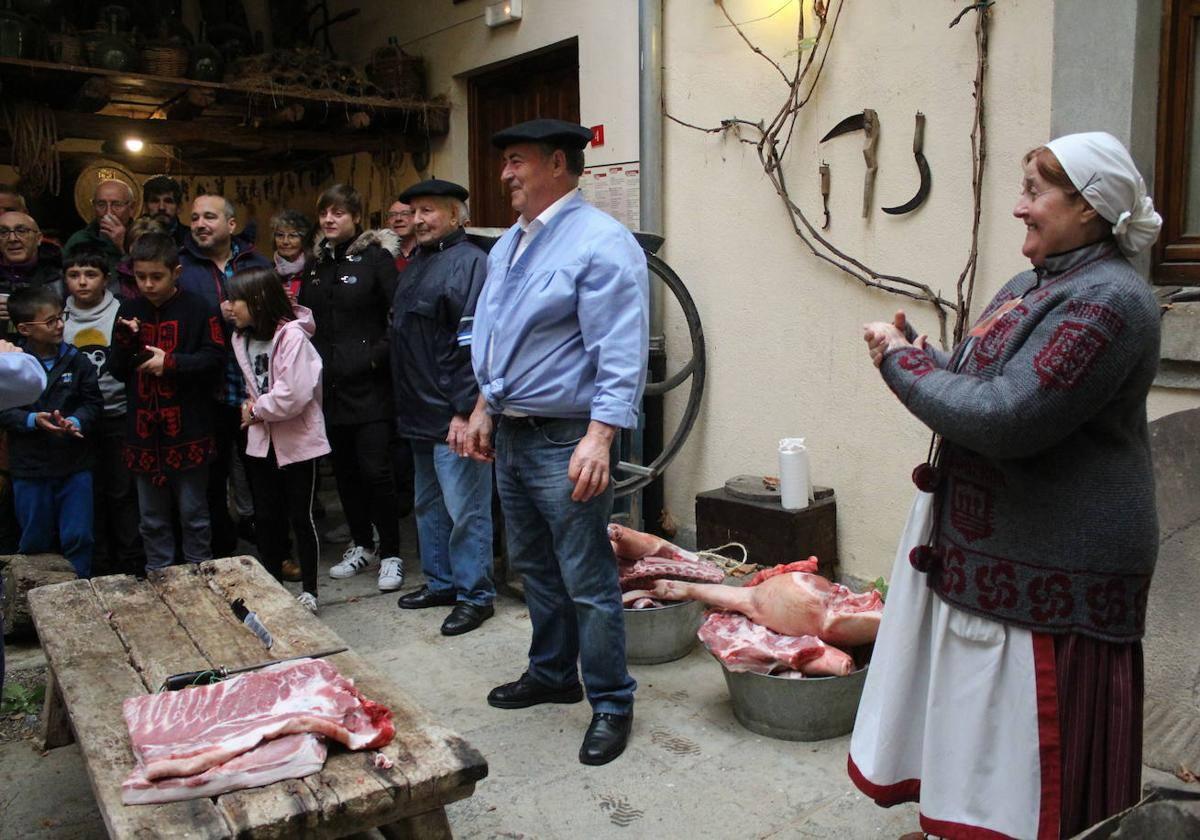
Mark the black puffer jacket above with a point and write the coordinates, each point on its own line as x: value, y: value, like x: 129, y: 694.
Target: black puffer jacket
x: 431, y: 336
x: 349, y: 289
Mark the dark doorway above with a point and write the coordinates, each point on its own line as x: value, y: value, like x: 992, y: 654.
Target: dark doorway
x: 545, y: 84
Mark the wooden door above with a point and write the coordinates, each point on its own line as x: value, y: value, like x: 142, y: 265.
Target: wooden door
x: 542, y: 85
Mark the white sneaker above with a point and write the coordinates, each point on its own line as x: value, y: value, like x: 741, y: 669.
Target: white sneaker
x: 354, y: 560
x: 308, y: 601
x: 391, y: 574
x: 336, y: 535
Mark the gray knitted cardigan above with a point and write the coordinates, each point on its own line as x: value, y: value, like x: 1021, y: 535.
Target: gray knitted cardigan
x: 1044, y: 506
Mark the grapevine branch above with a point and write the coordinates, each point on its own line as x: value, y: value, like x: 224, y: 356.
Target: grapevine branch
x: 772, y: 139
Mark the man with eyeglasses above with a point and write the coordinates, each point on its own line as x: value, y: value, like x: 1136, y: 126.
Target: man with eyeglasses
x: 25, y: 261
x: 400, y: 220
x: 113, y: 205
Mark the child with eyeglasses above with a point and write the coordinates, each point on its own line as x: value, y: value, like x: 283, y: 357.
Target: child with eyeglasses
x: 50, y: 451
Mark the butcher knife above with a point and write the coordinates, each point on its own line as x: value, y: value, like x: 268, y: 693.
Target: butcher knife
x: 212, y: 675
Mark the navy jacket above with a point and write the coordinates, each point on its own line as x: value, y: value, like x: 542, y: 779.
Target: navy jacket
x: 73, y: 389
x: 431, y: 336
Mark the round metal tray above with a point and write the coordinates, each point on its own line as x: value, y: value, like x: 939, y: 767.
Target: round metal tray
x: 809, y: 709
x: 662, y: 634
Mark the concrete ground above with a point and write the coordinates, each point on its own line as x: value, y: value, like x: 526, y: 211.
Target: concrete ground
x: 690, y: 770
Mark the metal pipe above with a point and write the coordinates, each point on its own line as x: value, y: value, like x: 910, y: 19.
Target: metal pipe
x: 650, y: 135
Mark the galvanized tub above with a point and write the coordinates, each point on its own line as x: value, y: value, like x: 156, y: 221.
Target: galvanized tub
x: 809, y: 709
x: 662, y: 634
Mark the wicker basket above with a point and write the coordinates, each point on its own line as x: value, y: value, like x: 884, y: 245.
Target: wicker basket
x: 165, y: 60
x: 402, y: 75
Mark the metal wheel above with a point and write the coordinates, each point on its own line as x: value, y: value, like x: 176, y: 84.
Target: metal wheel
x: 637, y: 476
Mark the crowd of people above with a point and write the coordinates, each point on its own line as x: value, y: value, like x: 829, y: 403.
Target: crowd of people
x: 188, y: 378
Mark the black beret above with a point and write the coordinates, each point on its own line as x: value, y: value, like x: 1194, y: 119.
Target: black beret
x: 558, y: 133
x: 434, y: 186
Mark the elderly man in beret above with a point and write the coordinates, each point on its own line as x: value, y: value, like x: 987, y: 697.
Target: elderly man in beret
x: 435, y: 392
x: 559, y: 349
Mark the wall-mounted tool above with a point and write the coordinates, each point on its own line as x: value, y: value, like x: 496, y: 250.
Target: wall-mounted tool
x: 824, y: 170
x: 868, y: 123
x: 922, y: 166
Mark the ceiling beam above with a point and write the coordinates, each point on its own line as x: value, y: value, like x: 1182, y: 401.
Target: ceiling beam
x: 234, y: 139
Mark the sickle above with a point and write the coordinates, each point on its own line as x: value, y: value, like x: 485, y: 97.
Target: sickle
x: 923, y: 166
x: 868, y: 123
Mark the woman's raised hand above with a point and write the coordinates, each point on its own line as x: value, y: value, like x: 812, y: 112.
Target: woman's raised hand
x: 882, y: 337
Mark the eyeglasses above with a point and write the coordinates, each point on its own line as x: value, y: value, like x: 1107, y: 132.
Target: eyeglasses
x: 49, y: 322
x: 19, y: 232
x: 288, y: 237
x: 106, y: 205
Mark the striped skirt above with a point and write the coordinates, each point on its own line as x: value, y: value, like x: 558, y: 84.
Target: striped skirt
x: 996, y: 731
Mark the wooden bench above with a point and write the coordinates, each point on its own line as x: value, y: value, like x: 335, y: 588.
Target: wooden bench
x: 114, y: 637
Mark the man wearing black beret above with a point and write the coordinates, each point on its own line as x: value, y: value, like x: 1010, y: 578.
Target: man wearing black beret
x: 559, y: 349
x: 435, y: 393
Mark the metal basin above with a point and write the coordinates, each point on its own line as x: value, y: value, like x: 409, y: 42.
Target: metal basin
x: 809, y: 709
x: 661, y: 634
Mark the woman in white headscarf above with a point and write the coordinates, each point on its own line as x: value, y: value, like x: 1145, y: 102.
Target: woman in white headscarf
x: 1005, y: 691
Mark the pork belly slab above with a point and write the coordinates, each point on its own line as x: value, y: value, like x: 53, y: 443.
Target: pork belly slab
x: 289, y: 757
x: 184, y: 733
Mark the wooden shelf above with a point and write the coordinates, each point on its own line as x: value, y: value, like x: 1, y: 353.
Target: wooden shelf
x: 221, y: 122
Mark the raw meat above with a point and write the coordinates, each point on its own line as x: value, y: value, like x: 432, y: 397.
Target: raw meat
x: 792, y: 603
x: 639, y: 599
x: 183, y: 733
x: 808, y: 566
x: 645, y: 572
x: 629, y: 544
x: 742, y: 645
x: 289, y: 757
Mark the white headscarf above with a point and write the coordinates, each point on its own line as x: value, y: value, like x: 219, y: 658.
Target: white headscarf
x: 1102, y: 170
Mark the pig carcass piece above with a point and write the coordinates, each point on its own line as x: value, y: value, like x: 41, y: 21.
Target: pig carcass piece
x: 793, y: 603
x: 289, y: 757
x: 184, y: 733
x: 643, y: 559
x: 742, y: 645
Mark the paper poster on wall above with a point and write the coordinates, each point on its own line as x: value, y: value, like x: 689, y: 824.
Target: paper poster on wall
x: 616, y: 189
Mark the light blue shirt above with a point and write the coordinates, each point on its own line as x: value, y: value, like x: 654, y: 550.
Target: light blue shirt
x: 563, y: 330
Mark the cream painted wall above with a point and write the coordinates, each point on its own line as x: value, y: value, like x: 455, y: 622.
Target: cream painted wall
x: 454, y: 41
x: 783, y: 329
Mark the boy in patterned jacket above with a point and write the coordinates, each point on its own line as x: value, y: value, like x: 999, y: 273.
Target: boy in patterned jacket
x: 169, y: 347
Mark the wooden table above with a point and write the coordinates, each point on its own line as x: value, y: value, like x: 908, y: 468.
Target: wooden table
x: 115, y: 637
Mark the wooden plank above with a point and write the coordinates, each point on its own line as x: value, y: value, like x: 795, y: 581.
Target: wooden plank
x: 56, y: 726
x: 208, y: 619
x: 95, y: 677
x: 346, y: 795
x: 276, y: 812
x: 431, y: 765
x: 158, y: 646
x: 22, y: 573
x: 430, y: 759
x: 296, y: 631
x: 432, y: 825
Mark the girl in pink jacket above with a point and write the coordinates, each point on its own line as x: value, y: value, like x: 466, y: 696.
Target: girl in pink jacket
x: 285, y: 427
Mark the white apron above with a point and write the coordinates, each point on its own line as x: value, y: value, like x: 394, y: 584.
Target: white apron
x: 959, y: 713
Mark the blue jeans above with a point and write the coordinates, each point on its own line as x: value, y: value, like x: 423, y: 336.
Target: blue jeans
x: 561, y: 549
x: 57, y: 511
x: 454, y: 522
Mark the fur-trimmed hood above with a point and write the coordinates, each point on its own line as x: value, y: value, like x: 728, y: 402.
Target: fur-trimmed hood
x: 385, y: 238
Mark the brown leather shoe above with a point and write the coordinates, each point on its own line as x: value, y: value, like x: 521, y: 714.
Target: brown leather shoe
x: 291, y: 570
